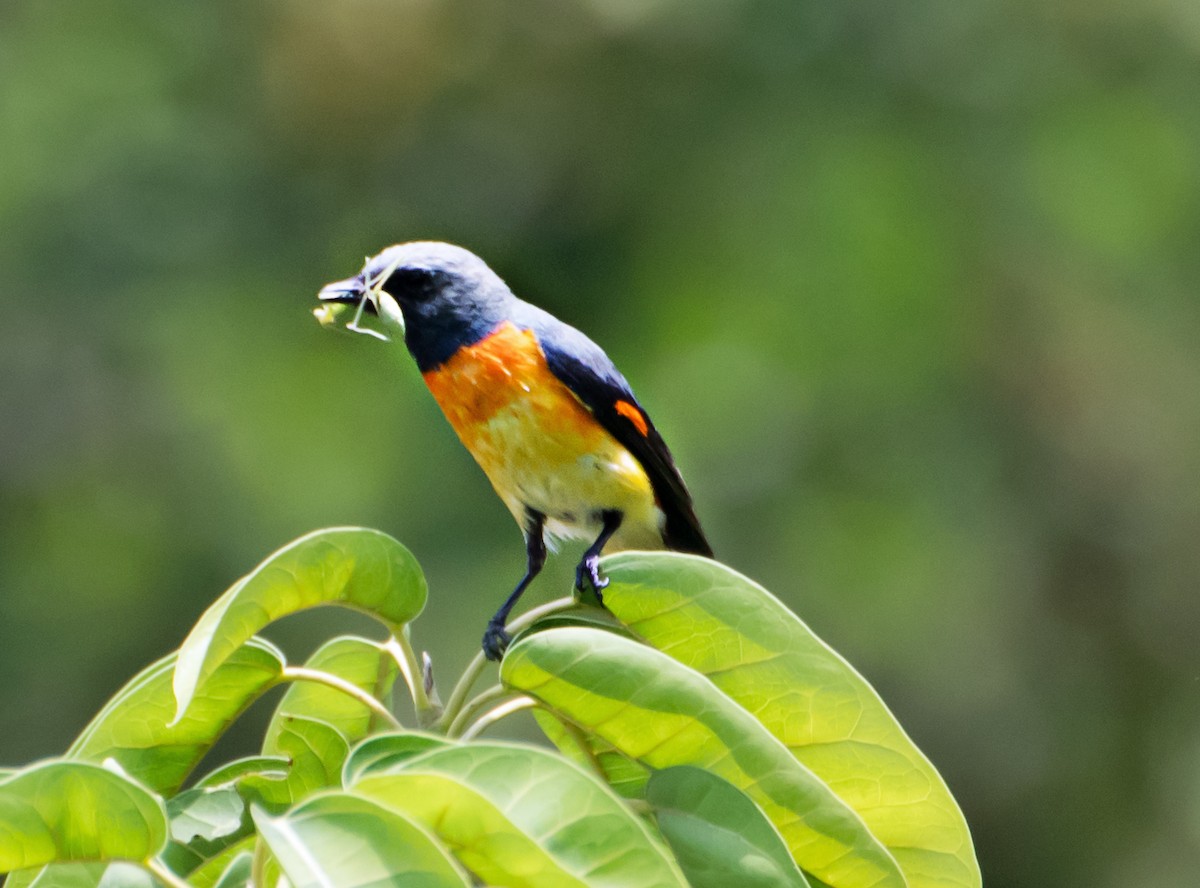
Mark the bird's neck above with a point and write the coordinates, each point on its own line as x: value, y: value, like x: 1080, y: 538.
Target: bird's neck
x: 433, y: 340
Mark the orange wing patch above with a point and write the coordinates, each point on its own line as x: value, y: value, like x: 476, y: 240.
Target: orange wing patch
x: 631, y: 413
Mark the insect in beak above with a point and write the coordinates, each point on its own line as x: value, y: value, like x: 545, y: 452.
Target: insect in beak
x: 363, y: 292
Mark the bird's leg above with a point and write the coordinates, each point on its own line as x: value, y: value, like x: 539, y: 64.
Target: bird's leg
x: 495, y: 639
x: 589, y: 565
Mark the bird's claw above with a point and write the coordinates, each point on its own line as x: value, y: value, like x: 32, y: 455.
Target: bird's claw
x: 587, y: 574
x: 495, y: 641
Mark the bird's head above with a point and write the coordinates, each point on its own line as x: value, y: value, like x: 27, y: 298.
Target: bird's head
x: 423, y: 284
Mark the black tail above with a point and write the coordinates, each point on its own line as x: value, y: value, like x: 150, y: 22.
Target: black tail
x: 683, y: 532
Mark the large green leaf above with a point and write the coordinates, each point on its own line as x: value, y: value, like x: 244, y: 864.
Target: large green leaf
x: 758, y: 652
x: 719, y: 836
x: 662, y: 713
x: 522, y: 816
x: 135, y: 726
x: 349, y: 566
x: 343, y: 840
x: 364, y: 664
x: 317, y: 752
x: 61, y: 810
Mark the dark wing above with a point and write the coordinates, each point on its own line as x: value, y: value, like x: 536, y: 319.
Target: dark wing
x: 584, y: 368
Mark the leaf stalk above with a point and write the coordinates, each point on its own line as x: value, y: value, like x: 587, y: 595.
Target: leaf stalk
x: 400, y: 647
x: 504, y: 710
x: 303, y: 673
x: 164, y: 875
x: 458, y: 697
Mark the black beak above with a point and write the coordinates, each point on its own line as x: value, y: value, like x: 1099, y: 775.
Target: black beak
x: 349, y: 291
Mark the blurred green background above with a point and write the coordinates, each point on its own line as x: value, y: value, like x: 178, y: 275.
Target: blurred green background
x: 911, y: 291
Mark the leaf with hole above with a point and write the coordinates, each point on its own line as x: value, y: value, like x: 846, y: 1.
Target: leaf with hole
x: 317, y: 752
x: 208, y: 814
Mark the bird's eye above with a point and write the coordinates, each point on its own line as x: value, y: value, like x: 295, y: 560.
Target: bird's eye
x: 411, y: 283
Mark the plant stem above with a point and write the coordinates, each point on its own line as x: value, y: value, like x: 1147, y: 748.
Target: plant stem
x: 164, y: 875
x: 303, y: 673
x: 471, y: 674
x: 258, y: 864
x: 401, y: 648
x: 504, y: 710
x: 382, y: 688
x: 459, y: 695
x: 491, y: 695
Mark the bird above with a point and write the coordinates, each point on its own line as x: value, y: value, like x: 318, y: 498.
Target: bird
x: 545, y: 413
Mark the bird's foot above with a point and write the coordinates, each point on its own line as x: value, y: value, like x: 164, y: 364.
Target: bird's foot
x: 495, y: 641
x: 587, y: 575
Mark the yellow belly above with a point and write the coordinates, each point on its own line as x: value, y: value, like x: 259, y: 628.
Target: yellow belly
x: 539, y: 445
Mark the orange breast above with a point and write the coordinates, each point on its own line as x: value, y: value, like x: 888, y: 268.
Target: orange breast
x: 537, y: 443
x: 503, y: 369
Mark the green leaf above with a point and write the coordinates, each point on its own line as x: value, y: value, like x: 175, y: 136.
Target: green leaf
x: 759, y: 653
x: 92, y: 875
x: 661, y: 713
x: 317, y: 752
x: 270, y: 766
x: 350, y: 566
x: 135, y: 727
x: 27, y: 877
x: 179, y: 858
x: 719, y: 836
x: 237, y: 874
x: 192, y: 859
x: 212, y: 816
x: 64, y: 810
x: 340, y: 839
x: 213, y: 871
x: 384, y: 751
x: 208, y: 814
x: 580, y: 615
x: 518, y: 815
x: 621, y: 772
x: 364, y: 664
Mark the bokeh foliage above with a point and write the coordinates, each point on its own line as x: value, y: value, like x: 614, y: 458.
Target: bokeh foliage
x: 911, y: 291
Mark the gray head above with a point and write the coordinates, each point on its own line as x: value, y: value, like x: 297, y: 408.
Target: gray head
x: 446, y: 296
